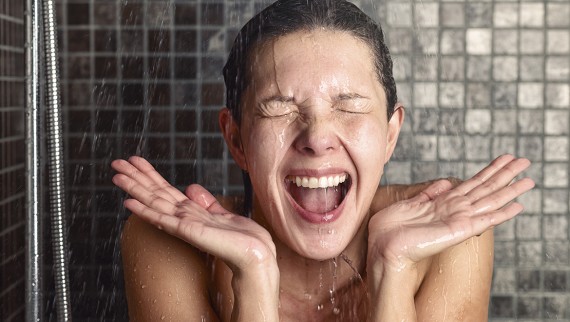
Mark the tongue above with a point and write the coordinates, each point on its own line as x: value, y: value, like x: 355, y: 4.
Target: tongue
x: 319, y: 200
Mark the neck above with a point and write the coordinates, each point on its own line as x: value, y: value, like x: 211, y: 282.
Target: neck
x: 316, y: 281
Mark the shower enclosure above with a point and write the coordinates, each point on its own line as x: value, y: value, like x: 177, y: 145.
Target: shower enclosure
x: 478, y: 79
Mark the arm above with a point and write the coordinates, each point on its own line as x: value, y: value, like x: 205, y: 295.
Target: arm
x: 436, y: 227
x: 165, y: 278
x: 457, y: 284
x: 198, y: 219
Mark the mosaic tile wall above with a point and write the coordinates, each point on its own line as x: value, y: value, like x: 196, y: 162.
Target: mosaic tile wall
x: 12, y: 160
x: 478, y: 78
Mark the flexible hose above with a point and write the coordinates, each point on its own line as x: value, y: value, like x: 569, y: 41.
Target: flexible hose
x: 55, y: 165
x: 33, y: 166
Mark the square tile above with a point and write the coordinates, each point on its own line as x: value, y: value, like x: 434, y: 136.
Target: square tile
x: 477, y: 148
x: 531, y: 41
x: 528, y: 307
x: 531, y: 68
x: 506, y: 15
x: 450, y: 147
x: 425, y: 120
x: 505, y: 68
x: 425, y: 94
x: 556, y: 148
x: 399, y: 14
x: 504, y: 121
x: 452, y: 14
x: 478, y: 121
x: 557, y: 95
x: 451, y: 95
x: 528, y: 227
x: 505, y: 41
x: 505, y: 95
x: 426, y: 147
x: 532, y: 14
x: 557, y: 68
x: 479, y: 14
x: 555, y: 227
x: 529, y: 253
x: 503, y: 144
x: 478, y: 95
x: 530, y: 147
x: 426, y: 68
x: 557, y: 14
x: 555, y: 201
x: 530, y: 95
x: 531, y: 121
x: 504, y: 280
x: 426, y: 14
x: 557, y: 42
x: 452, y: 41
x: 556, y: 252
x: 479, y: 41
x: 427, y: 42
x: 478, y: 68
x: 452, y: 68
x: 556, y: 175
x: 556, y: 122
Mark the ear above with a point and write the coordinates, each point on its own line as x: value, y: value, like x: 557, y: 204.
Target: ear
x: 231, y: 133
x: 394, y: 126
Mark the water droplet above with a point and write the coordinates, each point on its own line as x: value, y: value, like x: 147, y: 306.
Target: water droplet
x: 162, y: 317
x: 336, y: 310
x: 320, y: 307
x: 308, y: 296
x: 143, y: 286
x: 440, y: 270
x: 169, y: 294
x: 154, y: 301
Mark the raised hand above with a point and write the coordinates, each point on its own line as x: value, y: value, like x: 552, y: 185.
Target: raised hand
x: 196, y: 217
x: 440, y: 217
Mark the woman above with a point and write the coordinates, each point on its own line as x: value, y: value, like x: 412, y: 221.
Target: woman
x: 312, y: 117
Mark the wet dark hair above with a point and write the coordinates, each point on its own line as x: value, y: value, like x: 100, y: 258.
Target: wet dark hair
x: 285, y: 17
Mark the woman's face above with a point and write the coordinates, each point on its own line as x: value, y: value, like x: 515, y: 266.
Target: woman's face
x: 314, y: 138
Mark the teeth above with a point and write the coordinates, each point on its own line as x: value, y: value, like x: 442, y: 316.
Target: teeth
x: 322, y: 182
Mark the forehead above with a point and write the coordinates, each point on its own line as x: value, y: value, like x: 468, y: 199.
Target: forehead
x: 318, y: 57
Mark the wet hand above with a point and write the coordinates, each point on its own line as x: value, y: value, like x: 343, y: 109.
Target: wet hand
x: 195, y: 217
x: 440, y: 217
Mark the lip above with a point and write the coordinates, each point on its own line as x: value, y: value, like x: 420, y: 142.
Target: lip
x: 313, y: 217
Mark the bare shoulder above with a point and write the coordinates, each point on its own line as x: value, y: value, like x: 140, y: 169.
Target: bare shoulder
x: 457, y: 282
x: 161, y: 272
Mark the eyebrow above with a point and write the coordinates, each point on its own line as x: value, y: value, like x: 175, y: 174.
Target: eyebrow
x: 348, y: 96
x: 279, y: 98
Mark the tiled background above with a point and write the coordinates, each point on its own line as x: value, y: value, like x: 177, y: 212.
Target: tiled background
x: 12, y: 160
x: 478, y: 78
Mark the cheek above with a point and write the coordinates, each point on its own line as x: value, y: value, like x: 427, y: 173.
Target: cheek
x: 267, y: 144
x: 366, y: 138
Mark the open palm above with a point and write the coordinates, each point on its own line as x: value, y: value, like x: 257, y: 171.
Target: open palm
x: 440, y: 217
x: 195, y: 217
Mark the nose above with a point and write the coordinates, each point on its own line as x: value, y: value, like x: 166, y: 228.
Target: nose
x: 317, y: 138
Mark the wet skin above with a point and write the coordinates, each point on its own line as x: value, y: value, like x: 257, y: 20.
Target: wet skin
x: 315, y: 107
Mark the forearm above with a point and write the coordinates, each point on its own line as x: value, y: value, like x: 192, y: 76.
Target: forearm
x: 256, y: 295
x: 392, y: 295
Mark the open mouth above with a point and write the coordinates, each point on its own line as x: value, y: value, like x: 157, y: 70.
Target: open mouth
x: 318, y: 195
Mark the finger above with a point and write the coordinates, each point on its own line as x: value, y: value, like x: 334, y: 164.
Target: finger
x: 502, y: 197
x: 158, y: 219
x: 485, y: 174
x: 499, y: 180
x: 139, y: 192
x: 491, y: 219
x: 432, y: 191
x: 205, y: 199
x: 143, y: 172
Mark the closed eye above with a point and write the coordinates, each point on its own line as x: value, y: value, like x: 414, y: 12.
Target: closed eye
x: 352, y: 103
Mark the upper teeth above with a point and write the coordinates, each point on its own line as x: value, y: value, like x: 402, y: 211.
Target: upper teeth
x: 321, y: 182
